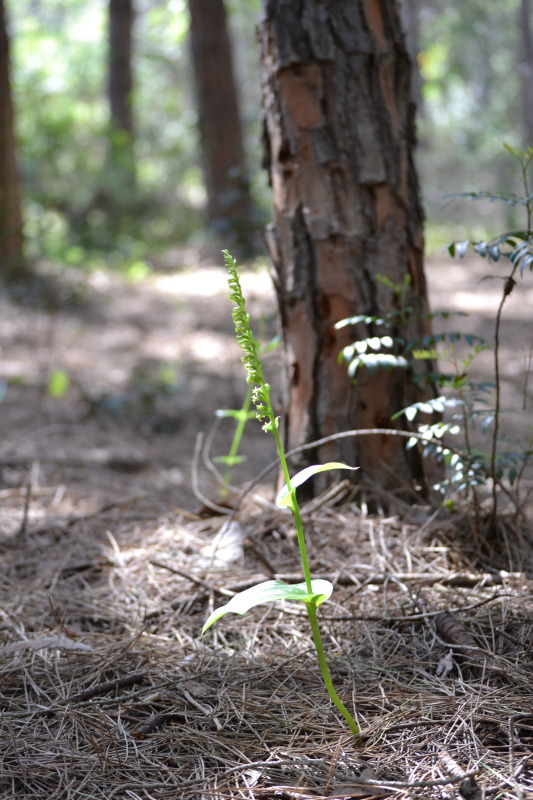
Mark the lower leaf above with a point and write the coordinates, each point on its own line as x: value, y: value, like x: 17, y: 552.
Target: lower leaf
x: 269, y: 591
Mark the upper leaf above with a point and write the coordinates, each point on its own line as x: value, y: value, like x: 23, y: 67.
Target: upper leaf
x: 285, y: 494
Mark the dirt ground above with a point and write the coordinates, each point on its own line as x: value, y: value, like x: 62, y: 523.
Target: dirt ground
x: 108, y: 568
x: 149, y: 363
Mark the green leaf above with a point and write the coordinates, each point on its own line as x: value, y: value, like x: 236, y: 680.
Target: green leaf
x: 354, y: 320
x: 229, y: 461
x: 374, y: 361
x: 436, y: 404
x: 269, y: 591
x: 266, y: 347
x: 461, y: 248
x: 58, y: 383
x: 237, y: 414
x: 423, y: 355
x: 138, y: 271
x: 283, y: 500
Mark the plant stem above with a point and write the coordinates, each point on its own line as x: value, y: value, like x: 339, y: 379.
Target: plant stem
x: 294, y: 508
x: 465, y: 413
x: 507, y: 289
x: 326, y: 677
x: 311, y: 607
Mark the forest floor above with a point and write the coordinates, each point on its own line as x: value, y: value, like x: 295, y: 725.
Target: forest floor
x: 110, y: 564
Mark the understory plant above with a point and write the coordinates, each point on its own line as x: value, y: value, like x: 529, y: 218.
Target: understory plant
x: 241, y: 416
x: 465, y: 402
x: 515, y: 249
x: 388, y: 349
x: 311, y: 592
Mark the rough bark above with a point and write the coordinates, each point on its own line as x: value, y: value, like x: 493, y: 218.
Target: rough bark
x: 12, y: 264
x: 221, y: 137
x: 339, y: 138
x: 526, y: 70
x: 120, y: 94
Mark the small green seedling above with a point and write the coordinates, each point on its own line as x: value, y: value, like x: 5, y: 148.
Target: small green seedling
x: 311, y: 592
x: 241, y: 416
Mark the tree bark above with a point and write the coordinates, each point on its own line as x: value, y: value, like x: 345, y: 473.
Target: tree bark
x: 120, y: 95
x: 526, y: 71
x: 221, y: 138
x: 339, y: 139
x: 12, y: 264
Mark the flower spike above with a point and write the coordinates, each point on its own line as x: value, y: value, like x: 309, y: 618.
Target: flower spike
x: 248, y: 345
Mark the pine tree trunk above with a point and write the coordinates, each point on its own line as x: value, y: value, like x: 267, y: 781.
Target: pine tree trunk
x: 121, y: 179
x: 12, y: 264
x: 339, y: 139
x: 221, y: 137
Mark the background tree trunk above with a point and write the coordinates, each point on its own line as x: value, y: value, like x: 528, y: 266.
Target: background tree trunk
x: 526, y: 70
x: 339, y: 138
x: 12, y: 263
x: 409, y: 11
x: 120, y: 95
x: 221, y: 138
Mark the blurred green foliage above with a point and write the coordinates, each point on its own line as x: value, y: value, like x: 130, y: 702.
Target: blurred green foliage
x: 469, y: 58
x: 468, y: 55
x: 59, y: 52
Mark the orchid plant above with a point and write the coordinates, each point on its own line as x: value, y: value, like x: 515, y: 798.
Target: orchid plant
x: 311, y: 592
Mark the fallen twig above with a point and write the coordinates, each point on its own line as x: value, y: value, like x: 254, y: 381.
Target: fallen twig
x: 107, y: 686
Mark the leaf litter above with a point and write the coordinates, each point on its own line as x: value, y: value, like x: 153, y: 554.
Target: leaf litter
x: 107, y: 689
